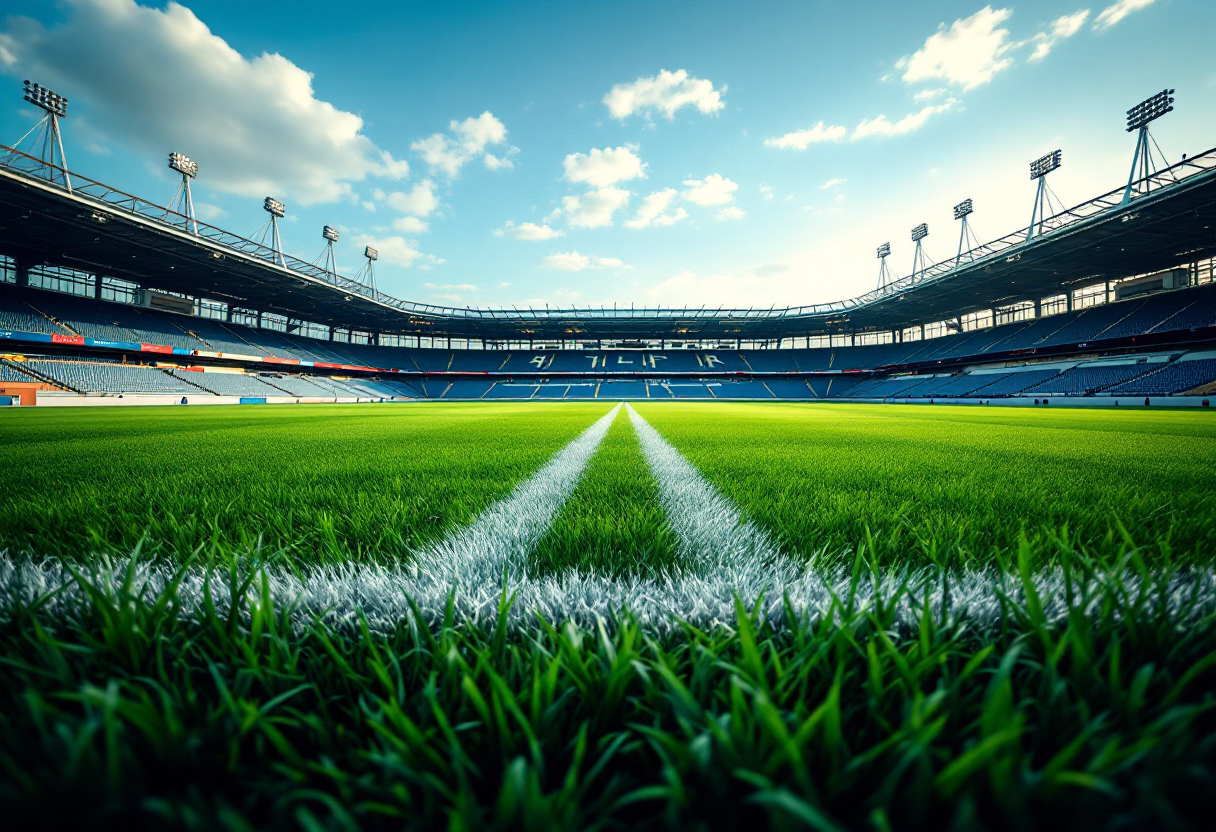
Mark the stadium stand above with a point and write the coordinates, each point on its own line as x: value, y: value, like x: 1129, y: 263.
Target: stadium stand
x: 113, y: 321
x: 1177, y: 377
x: 227, y: 384
x: 11, y: 372
x: 1013, y: 383
x: 1087, y: 379
x: 109, y: 377
x: 16, y: 314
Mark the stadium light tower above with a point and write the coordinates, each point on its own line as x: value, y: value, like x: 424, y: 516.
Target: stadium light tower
x: 884, y: 274
x: 48, y: 137
x: 1138, y: 119
x: 277, y: 211
x: 919, y: 260
x: 327, y: 260
x: 183, y: 201
x: 966, y: 236
x: 367, y: 274
x: 1039, y: 169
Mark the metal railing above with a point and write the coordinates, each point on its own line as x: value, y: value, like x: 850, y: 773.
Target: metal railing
x: 105, y: 196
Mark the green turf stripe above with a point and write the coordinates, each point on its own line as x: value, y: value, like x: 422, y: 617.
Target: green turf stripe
x: 613, y: 524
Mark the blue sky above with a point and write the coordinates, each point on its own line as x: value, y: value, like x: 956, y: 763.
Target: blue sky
x: 655, y: 153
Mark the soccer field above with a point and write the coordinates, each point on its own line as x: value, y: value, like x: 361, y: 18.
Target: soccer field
x: 581, y: 615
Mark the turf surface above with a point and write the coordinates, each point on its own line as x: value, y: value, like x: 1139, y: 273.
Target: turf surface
x: 131, y: 713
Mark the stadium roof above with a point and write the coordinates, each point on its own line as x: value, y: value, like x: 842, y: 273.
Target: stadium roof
x: 99, y: 229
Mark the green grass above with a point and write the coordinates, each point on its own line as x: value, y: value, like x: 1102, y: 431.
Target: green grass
x: 135, y: 714
x: 613, y: 523
x: 333, y: 483
x: 955, y: 484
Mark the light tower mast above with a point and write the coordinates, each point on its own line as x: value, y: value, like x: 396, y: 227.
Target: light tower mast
x: 884, y: 274
x: 919, y: 261
x: 277, y: 211
x: 330, y: 262
x: 1039, y: 169
x: 48, y: 138
x: 966, y: 237
x: 367, y: 274
x: 183, y: 201
x: 1138, y: 119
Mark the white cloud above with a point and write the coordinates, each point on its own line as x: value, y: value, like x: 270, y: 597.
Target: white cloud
x: 732, y: 212
x: 766, y: 191
x: 410, y: 225
x: 714, y: 189
x: 654, y: 210
x: 208, y: 212
x: 929, y: 94
x: 664, y: 93
x: 447, y: 155
x: 457, y: 287
x: 528, y: 231
x: 1062, y: 28
x: 802, y: 139
x: 1114, y: 13
x: 395, y: 250
x: 970, y: 53
x: 881, y: 126
x: 574, y: 262
x: 160, y: 80
x: 420, y: 201
x: 594, y: 209
x: 604, y: 167
x: 834, y: 182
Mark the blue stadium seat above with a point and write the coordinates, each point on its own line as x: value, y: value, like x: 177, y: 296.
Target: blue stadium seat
x: 1176, y: 377
x: 1088, y: 379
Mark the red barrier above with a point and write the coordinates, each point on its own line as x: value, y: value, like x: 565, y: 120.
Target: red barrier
x: 78, y: 340
x: 156, y: 348
x: 274, y: 359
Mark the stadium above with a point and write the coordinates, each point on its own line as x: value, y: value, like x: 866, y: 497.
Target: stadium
x: 938, y: 556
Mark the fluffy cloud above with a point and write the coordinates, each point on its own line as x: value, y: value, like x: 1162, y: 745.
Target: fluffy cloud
x: 594, y: 209
x: 732, y: 212
x: 528, y: 231
x: 420, y: 201
x: 654, y: 210
x: 802, y: 139
x: 714, y: 189
x: 664, y: 93
x: 1114, y: 13
x: 969, y: 53
x: 834, y: 182
x: 160, y: 80
x: 448, y: 154
x: 410, y: 225
x: 881, y: 126
x: 574, y: 262
x: 1062, y: 28
x: 604, y: 167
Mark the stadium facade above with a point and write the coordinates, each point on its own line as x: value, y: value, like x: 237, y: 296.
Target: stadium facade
x: 104, y: 294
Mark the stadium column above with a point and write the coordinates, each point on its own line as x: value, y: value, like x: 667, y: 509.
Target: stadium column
x: 1038, y: 307
x: 23, y: 272
x: 96, y: 287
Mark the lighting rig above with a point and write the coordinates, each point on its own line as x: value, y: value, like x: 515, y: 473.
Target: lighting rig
x: 919, y: 261
x: 1039, y: 169
x: 367, y: 274
x: 183, y: 202
x: 884, y: 274
x: 327, y: 260
x: 277, y: 211
x: 966, y: 237
x: 1138, y: 119
x: 48, y: 137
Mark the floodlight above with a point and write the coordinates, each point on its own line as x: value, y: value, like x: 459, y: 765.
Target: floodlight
x: 1150, y: 109
x: 920, y: 232
x: 884, y: 250
x: 40, y: 96
x: 370, y: 253
x: 330, y: 233
x: 274, y: 207
x: 963, y: 209
x: 1044, y: 165
x: 183, y: 165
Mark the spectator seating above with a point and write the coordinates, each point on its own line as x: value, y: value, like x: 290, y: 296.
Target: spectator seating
x: 1013, y: 383
x: 109, y: 377
x: 1086, y: 379
x: 228, y: 384
x: 1176, y: 377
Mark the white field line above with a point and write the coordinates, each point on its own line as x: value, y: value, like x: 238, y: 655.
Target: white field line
x: 729, y: 558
